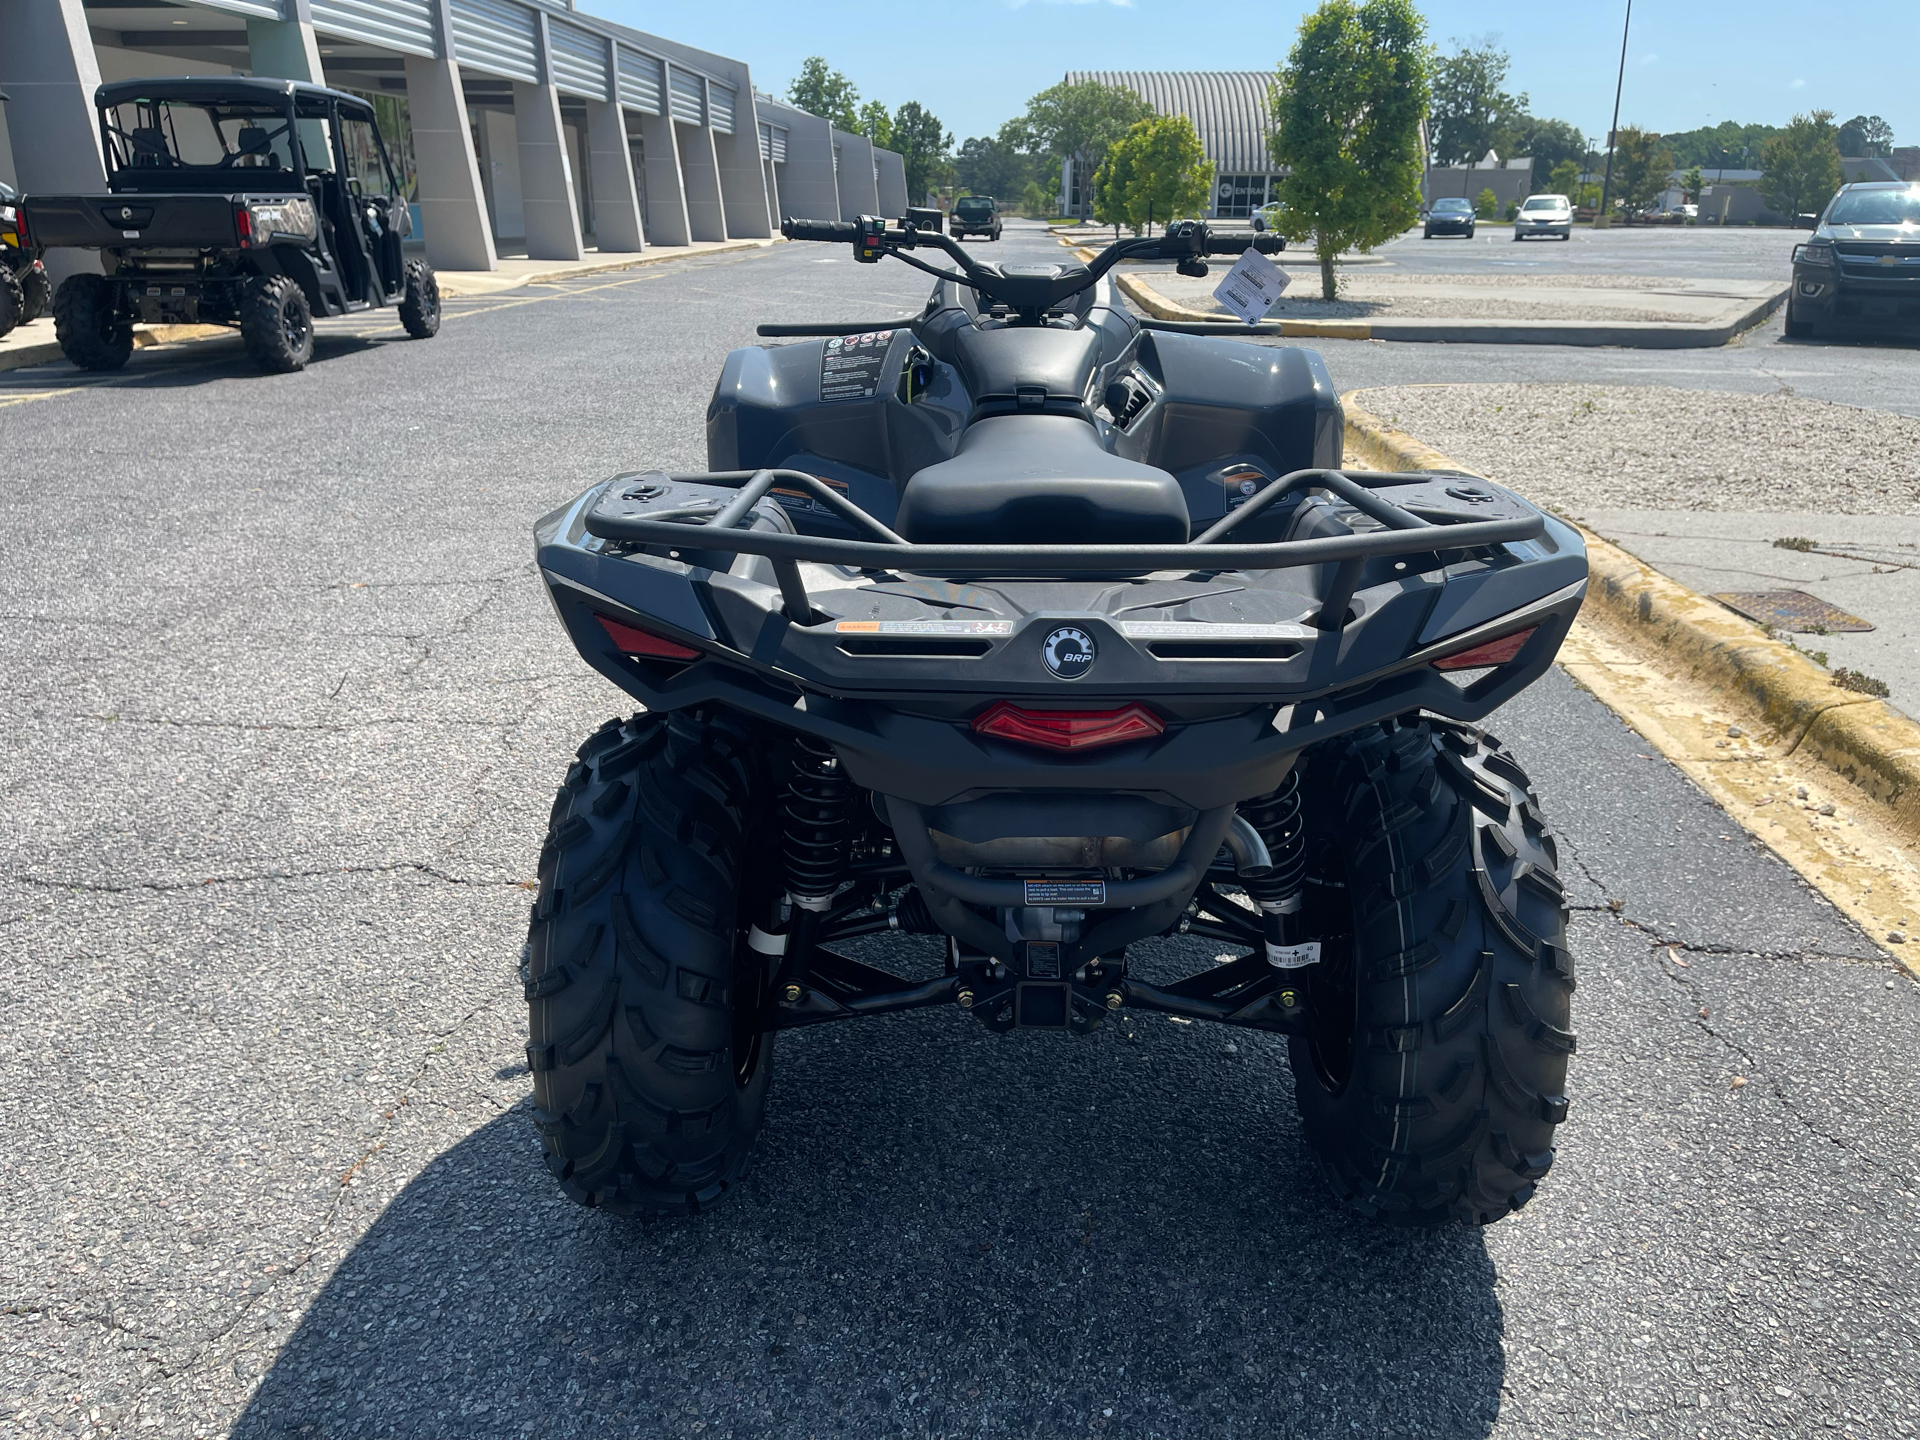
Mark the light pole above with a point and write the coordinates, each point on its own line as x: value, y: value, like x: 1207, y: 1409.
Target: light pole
x: 1605, y: 218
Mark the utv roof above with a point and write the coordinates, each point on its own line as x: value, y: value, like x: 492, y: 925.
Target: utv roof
x: 217, y: 87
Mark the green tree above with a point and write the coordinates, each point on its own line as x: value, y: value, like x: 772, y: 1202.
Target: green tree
x: 1346, y: 110
x: 1037, y: 200
x: 875, y: 124
x: 1156, y: 172
x: 996, y: 165
x: 1866, y: 135
x: 1548, y: 142
x: 1800, y: 167
x: 1471, y: 113
x: 1484, y: 204
x: 924, y: 144
x: 1692, y: 183
x: 1726, y: 146
x: 1565, y: 180
x: 1077, y: 122
x: 826, y: 93
x: 1642, y: 169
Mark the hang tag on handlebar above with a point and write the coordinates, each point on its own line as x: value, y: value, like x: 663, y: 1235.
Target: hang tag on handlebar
x: 1251, y: 286
x: 873, y: 230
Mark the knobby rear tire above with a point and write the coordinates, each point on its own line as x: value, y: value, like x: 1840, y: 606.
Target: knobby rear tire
x: 1434, y: 1079
x: 276, y: 323
x: 91, y: 334
x: 420, y: 303
x: 13, y: 301
x: 649, y: 1077
x: 37, y: 291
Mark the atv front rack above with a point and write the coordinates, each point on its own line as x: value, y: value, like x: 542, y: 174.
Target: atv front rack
x: 1420, y: 527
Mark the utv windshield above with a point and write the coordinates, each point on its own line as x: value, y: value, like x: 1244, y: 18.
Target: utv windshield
x: 191, y: 141
x: 1876, y: 207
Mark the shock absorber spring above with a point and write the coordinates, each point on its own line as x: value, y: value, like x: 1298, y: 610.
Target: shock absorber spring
x: 1277, y: 818
x: 817, y: 817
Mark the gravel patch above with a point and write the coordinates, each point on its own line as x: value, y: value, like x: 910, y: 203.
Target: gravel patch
x: 1655, y: 448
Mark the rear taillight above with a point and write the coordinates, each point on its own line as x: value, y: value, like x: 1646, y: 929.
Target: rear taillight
x: 1068, y: 729
x: 243, y: 225
x: 1494, y: 652
x: 642, y: 643
x: 20, y: 225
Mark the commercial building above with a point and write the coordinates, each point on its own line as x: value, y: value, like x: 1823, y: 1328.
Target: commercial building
x: 522, y: 126
x: 1229, y: 112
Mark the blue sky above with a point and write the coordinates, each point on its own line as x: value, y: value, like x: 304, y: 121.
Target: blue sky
x: 1690, y: 62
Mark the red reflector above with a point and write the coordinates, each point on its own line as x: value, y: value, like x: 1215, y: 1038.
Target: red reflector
x: 639, y: 642
x: 243, y: 223
x: 1068, y: 729
x: 1494, y: 652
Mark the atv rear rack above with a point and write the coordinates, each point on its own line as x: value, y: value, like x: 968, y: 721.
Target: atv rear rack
x: 1407, y: 532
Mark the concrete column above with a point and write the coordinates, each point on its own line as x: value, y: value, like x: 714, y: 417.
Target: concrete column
x: 743, y: 188
x: 859, y: 195
x: 546, y: 176
x: 700, y: 171
x: 892, y: 177
x: 453, y: 207
x: 807, y: 190
x: 47, y: 66
x: 616, y: 205
x: 667, y: 220
x: 773, y: 189
x: 285, y: 49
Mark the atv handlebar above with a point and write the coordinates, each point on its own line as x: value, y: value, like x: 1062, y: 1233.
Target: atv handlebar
x: 1032, y: 295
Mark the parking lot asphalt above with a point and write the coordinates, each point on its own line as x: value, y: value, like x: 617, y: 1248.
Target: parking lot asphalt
x: 287, y: 707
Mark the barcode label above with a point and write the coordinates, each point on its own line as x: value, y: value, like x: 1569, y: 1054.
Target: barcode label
x: 1251, y: 286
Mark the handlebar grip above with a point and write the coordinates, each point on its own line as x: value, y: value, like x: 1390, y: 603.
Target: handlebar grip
x: 828, y: 230
x: 1238, y: 244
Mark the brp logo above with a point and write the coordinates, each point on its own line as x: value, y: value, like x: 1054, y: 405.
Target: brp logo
x: 1069, y: 652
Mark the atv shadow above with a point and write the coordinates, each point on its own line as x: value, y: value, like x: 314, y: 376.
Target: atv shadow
x: 947, y: 1234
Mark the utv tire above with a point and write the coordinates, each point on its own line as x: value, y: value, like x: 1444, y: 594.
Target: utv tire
x: 1436, y: 1070
x: 85, y: 322
x: 277, y: 324
x: 13, y: 302
x: 38, y: 292
x: 420, y: 305
x: 649, y: 1071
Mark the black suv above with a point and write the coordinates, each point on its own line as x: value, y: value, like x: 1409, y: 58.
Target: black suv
x: 236, y: 201
x: 975, y: 215
x: 1862, y: 264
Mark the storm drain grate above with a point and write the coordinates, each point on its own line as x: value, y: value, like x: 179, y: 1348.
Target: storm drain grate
x: 1792, y: 610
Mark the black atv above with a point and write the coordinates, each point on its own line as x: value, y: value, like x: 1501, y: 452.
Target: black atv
x: 1049, y: 632
x: 24, y: 291
x: 234, y: 201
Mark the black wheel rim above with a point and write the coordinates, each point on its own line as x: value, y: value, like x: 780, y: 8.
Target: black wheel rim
x: 293, y: 320
x: 1333, y: 991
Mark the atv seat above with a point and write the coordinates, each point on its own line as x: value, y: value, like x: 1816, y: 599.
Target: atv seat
x: 1040, y: 480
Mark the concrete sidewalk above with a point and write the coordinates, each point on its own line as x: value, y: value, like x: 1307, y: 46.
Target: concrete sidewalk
x: 1531, y: 310
x: 1868, y: 565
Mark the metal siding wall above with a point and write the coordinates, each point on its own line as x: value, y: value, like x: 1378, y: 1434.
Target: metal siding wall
x: 688, y: 95
x: 496, y: 37
x: 779, y: 156
x: 720, y: 107
x: 640, y: 82
x: 404, y: 25
x: 579, y: 60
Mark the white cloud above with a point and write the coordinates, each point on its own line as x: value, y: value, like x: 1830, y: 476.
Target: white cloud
x: 1798, y: 85
x: 1648, y: 59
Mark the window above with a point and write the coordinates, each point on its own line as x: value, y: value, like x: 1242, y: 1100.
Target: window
x: 1876, y: 207
x: 1239, y: 195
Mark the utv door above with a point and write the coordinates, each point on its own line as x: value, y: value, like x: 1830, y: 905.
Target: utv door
x: 378, y: 200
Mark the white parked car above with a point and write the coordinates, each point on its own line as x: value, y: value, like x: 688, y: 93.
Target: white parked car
x: 1545, y: 215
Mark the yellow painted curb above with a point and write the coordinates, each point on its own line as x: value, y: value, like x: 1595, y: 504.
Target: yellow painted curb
x: 1860, y: 739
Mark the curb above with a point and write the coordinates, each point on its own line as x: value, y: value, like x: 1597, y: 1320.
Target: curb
x: 1862, y: 740
x: 450, y: 281
x: 1627, y: 334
